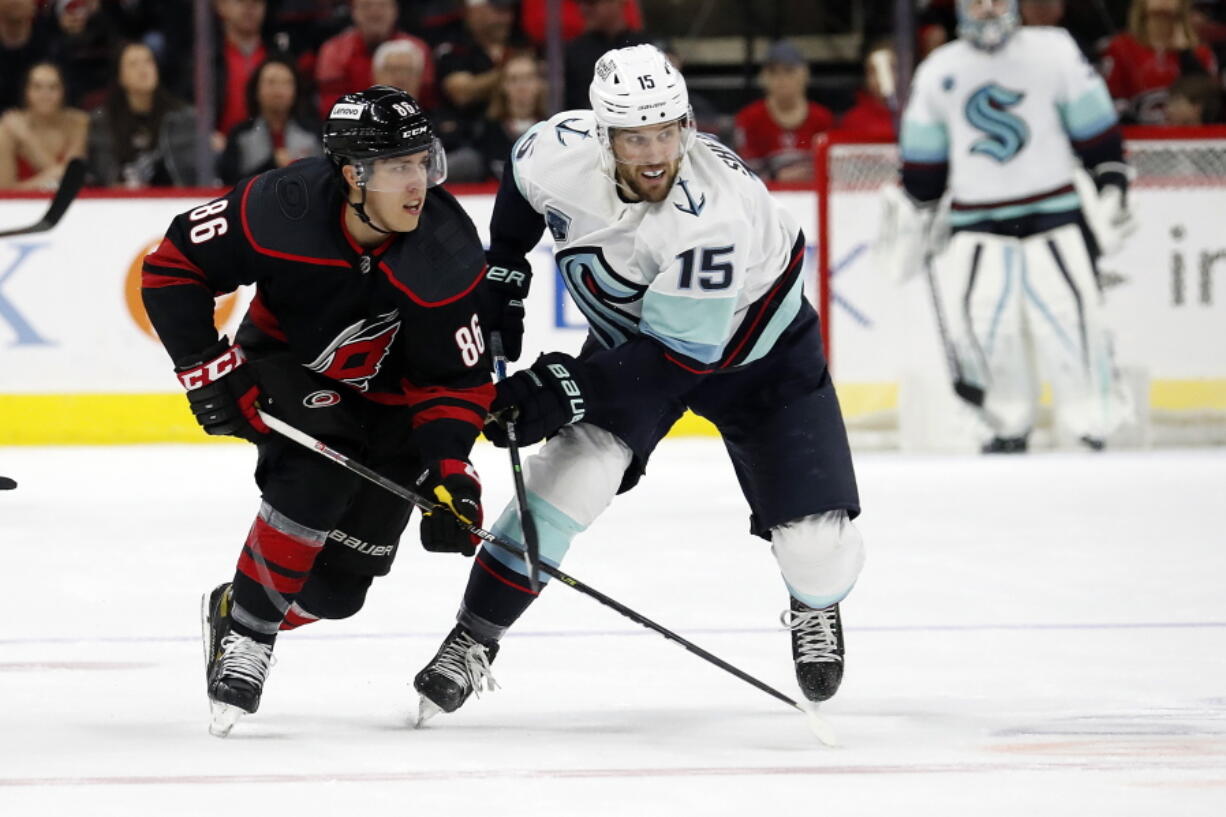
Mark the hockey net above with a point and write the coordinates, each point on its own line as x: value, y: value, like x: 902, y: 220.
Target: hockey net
x: 1165, y: 295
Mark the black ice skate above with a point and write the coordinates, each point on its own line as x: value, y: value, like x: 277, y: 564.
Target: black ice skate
x: 458, y: 669
x: 817, y: 648
x: 235, y: 665
x: 1006, y: 445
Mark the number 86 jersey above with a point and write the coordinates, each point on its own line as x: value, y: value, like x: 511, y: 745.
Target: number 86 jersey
x: 712, y: 272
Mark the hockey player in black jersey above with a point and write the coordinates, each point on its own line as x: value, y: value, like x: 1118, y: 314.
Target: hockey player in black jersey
x: 363, y: 332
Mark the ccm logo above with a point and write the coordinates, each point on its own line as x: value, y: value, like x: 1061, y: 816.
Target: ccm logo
x: 511, y: 276
x: 571, y: 389
x: 214, y: 370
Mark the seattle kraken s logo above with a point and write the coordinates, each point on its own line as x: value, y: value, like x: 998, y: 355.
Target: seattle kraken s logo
x: 1005, y: 133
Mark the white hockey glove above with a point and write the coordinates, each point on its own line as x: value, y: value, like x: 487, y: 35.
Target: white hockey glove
x: 1114, y: 222
x: 907, y: 233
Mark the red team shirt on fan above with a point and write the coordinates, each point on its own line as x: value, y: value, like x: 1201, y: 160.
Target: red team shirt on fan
x: 766, y: 146
x: 869, y: 117
x: 239, y: 68
x: 1139, y: 76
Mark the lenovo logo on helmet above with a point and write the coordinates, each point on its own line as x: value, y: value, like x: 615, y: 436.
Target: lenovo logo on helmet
x: 346, y: 110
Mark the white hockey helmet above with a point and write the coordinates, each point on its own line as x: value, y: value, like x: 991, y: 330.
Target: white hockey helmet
x: 634, y: 87
x: 987, y: 24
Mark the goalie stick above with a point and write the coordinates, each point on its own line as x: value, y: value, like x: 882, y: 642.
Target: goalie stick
x: 816, y: 723
x: 70, y: 185
x: 527, y: 523
x: 973, y: 395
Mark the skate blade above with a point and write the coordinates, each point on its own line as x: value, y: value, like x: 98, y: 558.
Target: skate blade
x: 818, y: 725
x: 224, y: 716
x: 426, y: 709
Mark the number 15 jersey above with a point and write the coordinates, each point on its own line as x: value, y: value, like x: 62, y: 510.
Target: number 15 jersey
x: 712, y: 272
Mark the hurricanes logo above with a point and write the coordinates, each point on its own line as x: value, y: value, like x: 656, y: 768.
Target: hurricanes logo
x: 1005, y: 133
x: 355, y: 355
x: 321, y: 399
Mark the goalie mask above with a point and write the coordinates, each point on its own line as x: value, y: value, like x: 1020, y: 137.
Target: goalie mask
x: 987, y: 24
x: 375, y: 131
x: 634, y: 91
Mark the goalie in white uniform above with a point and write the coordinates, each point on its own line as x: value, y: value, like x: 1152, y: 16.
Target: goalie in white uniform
x: 689, y: 274
x: 999, y: 119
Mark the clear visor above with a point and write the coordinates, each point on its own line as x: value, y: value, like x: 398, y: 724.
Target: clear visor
x: 652, y: 144
x: 394, y: 174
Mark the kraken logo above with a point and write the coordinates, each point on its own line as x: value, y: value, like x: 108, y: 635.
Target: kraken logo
x: 1005, y: 133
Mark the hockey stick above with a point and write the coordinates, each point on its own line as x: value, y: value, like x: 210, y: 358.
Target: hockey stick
x: 70, y: 186
x: 531, y: 542
x: 7, y: 483
x: 971, y: 394
x: 816, y: 723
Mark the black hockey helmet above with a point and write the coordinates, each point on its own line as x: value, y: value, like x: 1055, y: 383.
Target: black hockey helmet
x: 379, y: 123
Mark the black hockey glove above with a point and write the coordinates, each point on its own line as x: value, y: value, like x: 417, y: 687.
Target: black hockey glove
x: 506, y: 286
x: 540, y: 400
x: 222, y: 391
x: 455, y: 486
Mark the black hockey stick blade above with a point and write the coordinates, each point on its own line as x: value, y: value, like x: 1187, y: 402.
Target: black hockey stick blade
x: 532, y: 543
x: 816, y: 723
x: 70, y: 185
x: 7, y: 483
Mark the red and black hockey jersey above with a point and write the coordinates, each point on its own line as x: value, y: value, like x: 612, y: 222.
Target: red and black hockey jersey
x: 397, y: 323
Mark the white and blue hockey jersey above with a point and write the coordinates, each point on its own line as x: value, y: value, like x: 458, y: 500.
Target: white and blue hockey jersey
x: 1007, y: 126
x: 711, y: 272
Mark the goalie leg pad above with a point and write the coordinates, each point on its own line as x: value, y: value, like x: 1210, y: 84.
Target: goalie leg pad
x: 819, y: 556
x: 1064, y: 311
x: 978, y: 283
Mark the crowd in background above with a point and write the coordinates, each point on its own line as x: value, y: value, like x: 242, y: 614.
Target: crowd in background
x: 110, y: 80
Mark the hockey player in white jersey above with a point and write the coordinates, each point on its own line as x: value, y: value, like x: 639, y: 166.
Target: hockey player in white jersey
x: 688, y: 272
x: 999, y: 120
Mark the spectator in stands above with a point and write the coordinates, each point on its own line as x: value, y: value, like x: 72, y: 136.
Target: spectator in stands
x: 25, y: 38
x: 400, y: 63
x: 534, y: 14
x: 518, y: 104
x: 871, y: 116
x: 344, y: 63
x: 468, y: 67
x: 468, y: 74
x: 605, y: 28
x: 935, y: 25
x: 240, y: 52
x: 1042, y: 12
x: 277, y: 131
x: 36, y: 141
x: 1159, y: 47
x: 83, y: 48
x: 437, y: 21
x: 1193, y: 101
x: 142, y: 136
x: 775, y: 134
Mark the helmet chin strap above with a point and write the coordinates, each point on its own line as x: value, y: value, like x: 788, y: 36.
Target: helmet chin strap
x: 359, y: 207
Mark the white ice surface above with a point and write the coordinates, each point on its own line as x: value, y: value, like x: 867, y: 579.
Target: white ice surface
x: 1043, y: 635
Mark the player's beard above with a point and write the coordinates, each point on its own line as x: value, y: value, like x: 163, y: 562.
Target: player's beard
x: 629, y: 176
